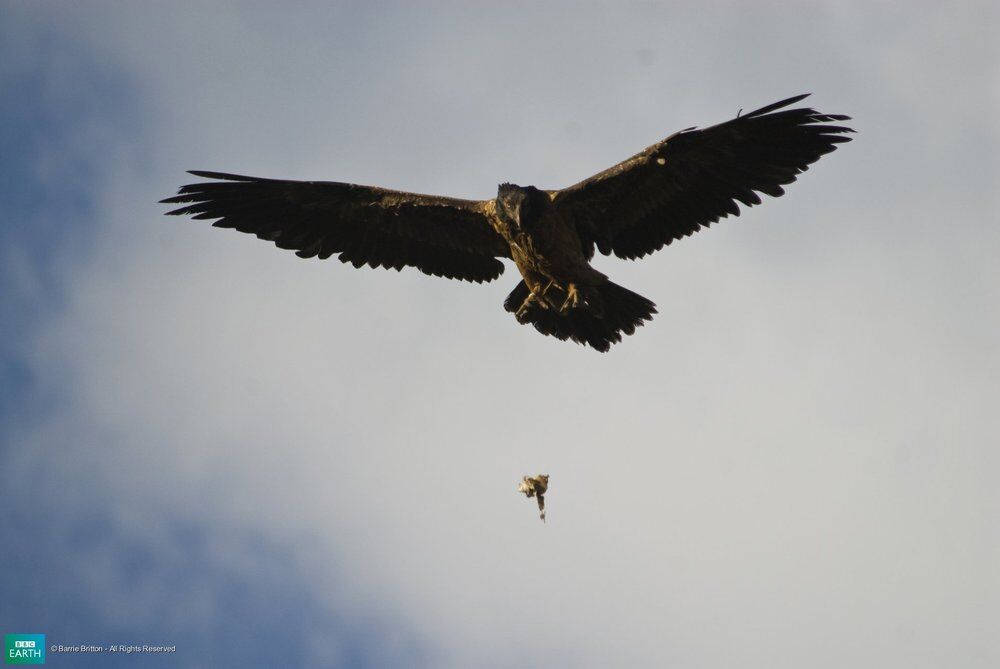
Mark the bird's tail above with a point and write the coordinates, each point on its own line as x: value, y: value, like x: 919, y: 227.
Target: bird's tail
x: 601, y: 322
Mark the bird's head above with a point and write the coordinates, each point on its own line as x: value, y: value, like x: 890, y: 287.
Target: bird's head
x: 521, y: 207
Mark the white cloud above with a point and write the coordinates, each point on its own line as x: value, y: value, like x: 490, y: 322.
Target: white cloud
x: 791, y: 465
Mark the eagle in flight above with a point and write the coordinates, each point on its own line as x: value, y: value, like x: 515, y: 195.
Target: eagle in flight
x: 665, y: 192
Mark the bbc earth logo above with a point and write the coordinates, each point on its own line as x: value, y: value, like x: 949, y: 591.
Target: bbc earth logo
x: 24, y: 649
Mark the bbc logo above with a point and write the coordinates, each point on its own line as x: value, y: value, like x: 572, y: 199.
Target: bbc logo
x: 24, y: 649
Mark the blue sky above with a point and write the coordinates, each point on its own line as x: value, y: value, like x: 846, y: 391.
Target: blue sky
x: 265, y: 461
x: 59, y: 530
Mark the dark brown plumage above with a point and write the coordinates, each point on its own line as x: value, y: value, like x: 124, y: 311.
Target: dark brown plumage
x: 667, y: 191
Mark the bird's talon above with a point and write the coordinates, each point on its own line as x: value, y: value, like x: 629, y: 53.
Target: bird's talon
x: 522, y: 312
x: 572, y: 300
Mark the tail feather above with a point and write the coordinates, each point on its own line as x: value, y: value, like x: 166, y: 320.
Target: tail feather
x: 621, y: 313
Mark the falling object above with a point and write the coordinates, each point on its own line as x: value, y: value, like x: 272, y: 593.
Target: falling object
x: 536, y: 486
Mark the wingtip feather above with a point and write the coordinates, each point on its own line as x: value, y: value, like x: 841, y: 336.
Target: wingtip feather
x: 224, y: 176
x: 777, y: 105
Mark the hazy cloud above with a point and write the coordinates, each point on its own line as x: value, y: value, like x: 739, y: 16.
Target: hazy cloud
x: 802, y: 442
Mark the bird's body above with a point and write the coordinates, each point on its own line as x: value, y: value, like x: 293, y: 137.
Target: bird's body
x: 545, y: 247
x: 668, y: 191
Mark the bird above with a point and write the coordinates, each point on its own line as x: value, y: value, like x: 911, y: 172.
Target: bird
x: 668, y: 191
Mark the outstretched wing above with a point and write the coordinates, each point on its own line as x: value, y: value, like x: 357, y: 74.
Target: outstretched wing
x: 695, y: 177
x: 366, y: 225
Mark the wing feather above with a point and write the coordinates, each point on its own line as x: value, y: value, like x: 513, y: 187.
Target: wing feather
x: 365, y: 225
x: 698, y: 176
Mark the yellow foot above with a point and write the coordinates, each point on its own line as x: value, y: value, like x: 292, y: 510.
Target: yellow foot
x: 522, y: 312
x: 573, y: 299
x: 533, y: 299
